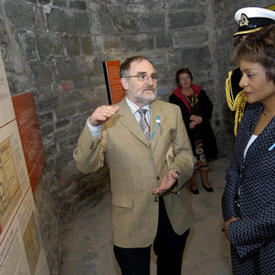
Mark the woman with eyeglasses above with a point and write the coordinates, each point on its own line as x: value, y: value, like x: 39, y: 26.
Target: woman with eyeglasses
x: 196, y: 109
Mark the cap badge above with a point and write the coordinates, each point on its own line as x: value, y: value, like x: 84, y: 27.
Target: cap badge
x: 243, y: 20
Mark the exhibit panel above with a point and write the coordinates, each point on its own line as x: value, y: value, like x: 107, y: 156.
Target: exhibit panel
x: 21, y: 249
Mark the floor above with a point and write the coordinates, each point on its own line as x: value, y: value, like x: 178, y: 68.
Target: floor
x: 87, y: 241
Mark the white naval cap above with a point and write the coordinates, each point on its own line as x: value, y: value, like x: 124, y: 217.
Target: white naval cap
x: 251, y: 19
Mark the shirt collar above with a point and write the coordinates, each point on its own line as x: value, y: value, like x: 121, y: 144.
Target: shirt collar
x: 134, y: 107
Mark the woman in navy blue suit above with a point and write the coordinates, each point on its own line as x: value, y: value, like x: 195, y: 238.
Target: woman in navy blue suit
x: 248, y: 202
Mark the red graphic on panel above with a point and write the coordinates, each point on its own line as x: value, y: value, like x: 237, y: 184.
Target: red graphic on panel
x: 29, y: 130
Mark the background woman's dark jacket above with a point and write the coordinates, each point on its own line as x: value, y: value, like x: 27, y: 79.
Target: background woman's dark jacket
x: 205, y: 111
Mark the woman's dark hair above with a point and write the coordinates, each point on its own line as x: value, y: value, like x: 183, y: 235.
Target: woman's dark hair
x: 258, y: 47
x: 182, y: 71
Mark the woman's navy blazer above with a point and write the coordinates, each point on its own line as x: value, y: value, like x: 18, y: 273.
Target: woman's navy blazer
x: 250, y: 194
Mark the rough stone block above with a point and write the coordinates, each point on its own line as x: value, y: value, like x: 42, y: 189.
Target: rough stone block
x: 80, y: 5
x: 74, y: 129
x: 42, y: 72
x: 29, y: 45
x: 87, y: 65
x: 196, y: 58
x: 72, y: 45
x: 50, y: 151
x: 62, y: 123
x: 59, y: 134
x: 136, y: 9
x: 49, y: 44
x: 190, y: 36
x: 163, y: 91
x: 47, y: 129
x: 163, y: 40
x: 137, y: 42
x: 64, y: 157
x: 85, y: 106
x: 199, y: 4
x: 83, y: 82
x: 112, y: 42
x: 142, y: 1
x: 68, y: 142
x: 95, y: 7
x: 86, y: 45
x: 73, y: 22
x: 107, y: 24
x: 47, y: 104
x: 3, y: 32
x: 59, y: 3
x: 20, y: 14
x: 44, y: 118
x: 40, y: 20
x: 160, y: 64
x: 65, y: 112
x: 44, y: 2
x: 126, y: 24
x: 66, y: 69
x: 70, y: 98
x: 150, y: 23
x: 186, y: 18
x: 63, y: 144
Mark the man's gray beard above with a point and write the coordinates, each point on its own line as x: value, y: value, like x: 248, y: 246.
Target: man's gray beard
x: 147, y: 100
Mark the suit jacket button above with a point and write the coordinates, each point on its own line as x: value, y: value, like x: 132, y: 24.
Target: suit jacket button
x: 158, y: 178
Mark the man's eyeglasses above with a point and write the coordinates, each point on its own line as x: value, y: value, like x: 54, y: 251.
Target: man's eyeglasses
x: 144, y: 77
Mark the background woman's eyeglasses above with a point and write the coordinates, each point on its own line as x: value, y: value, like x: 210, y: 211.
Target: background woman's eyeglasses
x: 185, y: 77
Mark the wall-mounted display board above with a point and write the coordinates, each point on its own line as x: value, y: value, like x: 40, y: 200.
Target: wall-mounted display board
x: 114, y: 89
x: 29, y: 130
x: 21, y: 249
x: 6, y: 110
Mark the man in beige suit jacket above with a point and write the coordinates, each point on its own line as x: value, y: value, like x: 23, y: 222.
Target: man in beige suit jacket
x: 149, y: 202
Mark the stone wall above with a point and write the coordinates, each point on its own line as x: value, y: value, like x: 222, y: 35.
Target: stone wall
x: 55, y: 48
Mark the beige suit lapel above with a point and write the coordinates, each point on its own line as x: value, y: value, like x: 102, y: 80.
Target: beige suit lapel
x: 127, y: 118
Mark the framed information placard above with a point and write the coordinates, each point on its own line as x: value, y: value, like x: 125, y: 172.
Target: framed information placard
x: 114, y: 89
